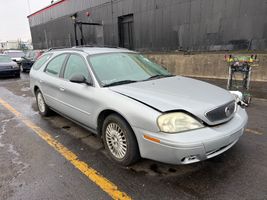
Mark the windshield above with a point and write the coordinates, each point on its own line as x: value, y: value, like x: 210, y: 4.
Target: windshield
x: 15, y: 54
x: 120, y: 67
x: 5, y: 59
x: 29, y: 55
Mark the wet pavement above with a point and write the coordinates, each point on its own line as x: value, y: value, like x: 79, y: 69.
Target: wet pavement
x: 31, y: 169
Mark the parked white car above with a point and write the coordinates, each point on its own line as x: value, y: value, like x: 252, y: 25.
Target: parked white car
x: 15, y: 55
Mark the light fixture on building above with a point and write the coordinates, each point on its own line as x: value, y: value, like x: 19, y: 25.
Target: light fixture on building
x: 74, y: 16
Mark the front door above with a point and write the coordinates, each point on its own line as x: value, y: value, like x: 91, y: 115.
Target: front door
x: 77, y: 97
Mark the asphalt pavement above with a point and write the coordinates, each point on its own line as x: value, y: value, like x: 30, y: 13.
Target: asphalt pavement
x: 53, y: 158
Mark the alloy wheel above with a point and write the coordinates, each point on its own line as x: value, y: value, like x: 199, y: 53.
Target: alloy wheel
x: 116, y: 140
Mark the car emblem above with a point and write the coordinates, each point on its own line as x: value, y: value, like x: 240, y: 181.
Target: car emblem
x: 227, y: 111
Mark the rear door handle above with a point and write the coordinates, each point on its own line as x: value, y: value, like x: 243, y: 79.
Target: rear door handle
x: 61, y: 89
x: 41, y: 81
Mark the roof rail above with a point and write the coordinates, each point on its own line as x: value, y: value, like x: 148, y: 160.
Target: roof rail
x: 100, y: 46
x: 65, y: 48
x: 55, y: 48
x: 79, y: 48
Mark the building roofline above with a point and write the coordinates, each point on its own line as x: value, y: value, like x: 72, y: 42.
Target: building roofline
x: 46, y: 8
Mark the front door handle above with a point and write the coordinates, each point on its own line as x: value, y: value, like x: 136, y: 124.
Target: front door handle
x: 61, y: 89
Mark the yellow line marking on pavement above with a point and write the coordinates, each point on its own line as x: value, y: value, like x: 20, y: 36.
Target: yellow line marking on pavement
x: 110, y: 188
x: 253, y: 131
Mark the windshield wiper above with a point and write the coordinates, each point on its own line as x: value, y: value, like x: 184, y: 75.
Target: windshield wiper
x: 159, y: 76
x: 120, y: 83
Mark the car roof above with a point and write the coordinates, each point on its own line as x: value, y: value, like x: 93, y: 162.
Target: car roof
x: 95, y: 50
x: 98, y: 50
x: 15, y: 51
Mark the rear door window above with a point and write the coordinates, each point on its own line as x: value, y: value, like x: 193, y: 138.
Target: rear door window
x: 42, y: 60
x: 54, y: 66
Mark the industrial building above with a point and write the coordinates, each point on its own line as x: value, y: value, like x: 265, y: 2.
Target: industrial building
x: 153, y: 25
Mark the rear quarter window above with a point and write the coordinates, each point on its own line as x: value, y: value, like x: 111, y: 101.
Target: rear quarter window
x: 41, y: 61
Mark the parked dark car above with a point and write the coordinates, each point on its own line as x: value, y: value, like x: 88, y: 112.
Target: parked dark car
x: 8, y: 67
x: 29, y: 59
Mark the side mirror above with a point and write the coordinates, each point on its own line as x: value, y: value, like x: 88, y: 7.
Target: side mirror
x: 79, y: 78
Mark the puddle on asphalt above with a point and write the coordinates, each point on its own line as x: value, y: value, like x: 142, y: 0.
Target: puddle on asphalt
x: 19, y: 87
x: 25, y: 89
x: 145, y: 167
x: 153, y: 168
x: 23, y: 103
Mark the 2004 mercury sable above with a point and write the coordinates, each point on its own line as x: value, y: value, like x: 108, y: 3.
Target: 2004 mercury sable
x: 136, y: 106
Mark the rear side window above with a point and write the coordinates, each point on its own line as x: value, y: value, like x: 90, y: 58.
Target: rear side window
x: 54, y: 66
x: 42, y: 60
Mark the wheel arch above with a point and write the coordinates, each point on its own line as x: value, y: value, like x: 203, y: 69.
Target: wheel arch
x: 103, y: 115
x: 134, y: 154
x: 35, y: 88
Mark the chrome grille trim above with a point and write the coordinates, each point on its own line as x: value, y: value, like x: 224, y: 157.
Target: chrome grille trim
x: 6, y: 67
x: 221, y: 113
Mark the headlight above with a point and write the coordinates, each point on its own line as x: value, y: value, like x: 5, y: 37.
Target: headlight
x: 177, y: 122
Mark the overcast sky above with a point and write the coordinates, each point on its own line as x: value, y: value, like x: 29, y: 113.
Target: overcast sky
x: 13, y: 18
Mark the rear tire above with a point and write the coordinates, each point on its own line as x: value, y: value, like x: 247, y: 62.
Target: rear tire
x: 43, y: 109
x: 119, y: 140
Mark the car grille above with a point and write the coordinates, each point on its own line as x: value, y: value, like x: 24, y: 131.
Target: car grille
x: 6, y: 67
x: 222, y: 113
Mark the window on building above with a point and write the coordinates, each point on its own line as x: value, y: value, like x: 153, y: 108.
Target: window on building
x: 126, y: 37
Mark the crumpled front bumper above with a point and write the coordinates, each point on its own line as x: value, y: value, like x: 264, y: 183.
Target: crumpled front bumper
x: 192, y: 146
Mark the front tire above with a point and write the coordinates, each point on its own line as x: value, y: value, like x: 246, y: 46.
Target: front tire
x: 43, y: 109
x: 119, y: 140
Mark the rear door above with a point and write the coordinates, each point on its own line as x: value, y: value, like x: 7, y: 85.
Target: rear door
x: 51, y: 81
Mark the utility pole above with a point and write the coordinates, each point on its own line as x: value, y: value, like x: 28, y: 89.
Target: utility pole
x: 46, y: 40
x: 29, y: 6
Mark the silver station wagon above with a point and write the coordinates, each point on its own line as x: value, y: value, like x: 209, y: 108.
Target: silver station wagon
x: 136, y: 106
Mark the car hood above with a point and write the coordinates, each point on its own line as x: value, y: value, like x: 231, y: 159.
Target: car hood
x: 177, y: 93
